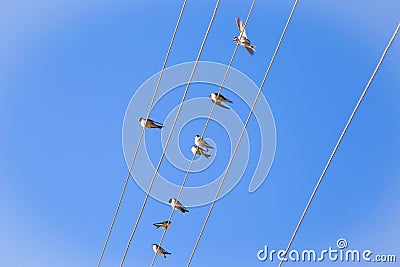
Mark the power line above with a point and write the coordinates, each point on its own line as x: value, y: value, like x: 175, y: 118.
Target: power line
x: 338, y: 143
x: 242, y: 133
x: 204, y: 130
x: 172, y: 129
x: 141, y: 135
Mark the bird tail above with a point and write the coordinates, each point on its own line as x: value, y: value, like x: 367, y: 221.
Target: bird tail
x: 156, y: 225
x: 165, y: 254
x: 183, y: 210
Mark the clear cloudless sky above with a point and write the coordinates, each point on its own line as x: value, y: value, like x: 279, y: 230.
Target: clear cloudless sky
x: 68, y: 70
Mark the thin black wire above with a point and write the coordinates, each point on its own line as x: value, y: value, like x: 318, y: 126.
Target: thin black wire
x: 141, y: 135
x: 204, y: 130
x: 338, y: 143
x: 242, y: 133
x: 170, y: 134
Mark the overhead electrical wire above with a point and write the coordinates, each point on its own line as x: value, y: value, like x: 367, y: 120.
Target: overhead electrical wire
x: 338, y: 143
x: 142, y: 133
x: 204, y: 130
x: 170, y: 133
x: 242, y: 133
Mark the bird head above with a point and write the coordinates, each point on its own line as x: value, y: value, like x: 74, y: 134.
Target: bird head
x: 236, y: 39
x: 170, y: 200
x: 197, y: 136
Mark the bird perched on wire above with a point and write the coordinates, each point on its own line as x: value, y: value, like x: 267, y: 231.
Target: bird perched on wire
x: 201, y: 143
x: 175, y: 204
x: 217, y: 99
x: 242, y: 38
x: 150, y: 123
x: 159, y: 250
x: 198, y: 151
x: 164, y: 224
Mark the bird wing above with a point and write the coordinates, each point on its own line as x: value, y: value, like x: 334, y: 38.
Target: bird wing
x: 203, y: 153
x: 181, y: 209
x: 207, y: 145
x: 224, y: 99
x: 223, y: 106
x: 250, y: 50
x: 239, y: 24
x: 206, y: 155
x: 241, y: 27
x: 157, y: 123
x: 165, y: 252
x: 178, y: 204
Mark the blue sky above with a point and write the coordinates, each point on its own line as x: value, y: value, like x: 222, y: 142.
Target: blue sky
x: 68, y: 70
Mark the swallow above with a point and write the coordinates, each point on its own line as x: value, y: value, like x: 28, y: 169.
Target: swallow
x: 217, y: 99
x: 164, y: 224
x: 150, y: 123
x: 159, y: 250
x: 198, y: 151
x: 242, y: 38
x: 175, y: 204
x: 201, y: 143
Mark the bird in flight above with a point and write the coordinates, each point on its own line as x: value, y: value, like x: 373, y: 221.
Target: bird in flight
x: 150, y: 123
x: 201, y: 143
x: 242, y: 38
x: 164, y: 224
x: 198, y: 151
x: 218, y: 99
x: 159, y: 250
x: 175, y: 204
